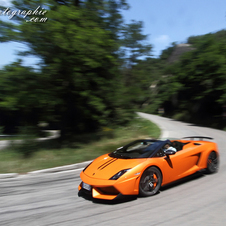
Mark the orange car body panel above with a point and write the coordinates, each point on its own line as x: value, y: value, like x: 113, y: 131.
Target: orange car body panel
x: 185, y: 162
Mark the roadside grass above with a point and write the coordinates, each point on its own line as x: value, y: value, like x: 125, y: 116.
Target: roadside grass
x: 32, y: 155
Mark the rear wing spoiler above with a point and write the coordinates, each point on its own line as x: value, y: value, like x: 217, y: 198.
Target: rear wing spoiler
x: 198, y: 137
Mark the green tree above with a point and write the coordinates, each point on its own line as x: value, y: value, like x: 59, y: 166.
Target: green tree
x: 134, y: 43
x: 23, y: 100
x: 145, y: 76
x: 134, y: 49
x: 79, y: 68
x: 200, y: 78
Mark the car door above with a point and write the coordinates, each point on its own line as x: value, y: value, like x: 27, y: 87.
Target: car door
x: 181, y: 164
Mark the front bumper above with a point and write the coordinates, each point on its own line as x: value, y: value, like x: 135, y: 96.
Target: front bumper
x: 110, y: 189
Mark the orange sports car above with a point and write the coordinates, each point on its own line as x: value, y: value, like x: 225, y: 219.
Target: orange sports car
x: 143, y: 166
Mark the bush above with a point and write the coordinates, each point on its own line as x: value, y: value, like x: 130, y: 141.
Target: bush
x: 182, y: 116
x: 26, y: 147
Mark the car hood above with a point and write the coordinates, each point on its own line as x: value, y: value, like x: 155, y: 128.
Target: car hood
x: 105, y: 166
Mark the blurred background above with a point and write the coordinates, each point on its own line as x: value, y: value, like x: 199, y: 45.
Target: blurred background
x: 84, y: 67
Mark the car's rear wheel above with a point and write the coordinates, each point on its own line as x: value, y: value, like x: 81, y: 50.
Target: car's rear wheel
x: 212, y: 162
x: 150, y: 181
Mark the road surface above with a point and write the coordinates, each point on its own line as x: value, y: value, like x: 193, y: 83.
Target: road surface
x: 52, y: 199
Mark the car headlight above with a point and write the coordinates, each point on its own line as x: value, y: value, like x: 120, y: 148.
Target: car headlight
x: 119, y: 174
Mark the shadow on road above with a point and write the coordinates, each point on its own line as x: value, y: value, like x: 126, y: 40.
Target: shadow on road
x: 121, y: 199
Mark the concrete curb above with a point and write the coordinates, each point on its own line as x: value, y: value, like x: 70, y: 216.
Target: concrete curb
x: 50, y: 170
x: 62, y: 168
x: 8, y: 175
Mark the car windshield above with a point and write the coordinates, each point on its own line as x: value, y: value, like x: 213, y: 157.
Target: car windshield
x: 138, y: 149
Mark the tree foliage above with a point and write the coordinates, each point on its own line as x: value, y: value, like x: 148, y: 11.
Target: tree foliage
x: 93, y: 70
x: 133, y: 42
x: 78, y: 85
x: 198, y: 79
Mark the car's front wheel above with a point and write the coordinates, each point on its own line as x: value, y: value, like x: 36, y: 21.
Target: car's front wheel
x: 150, y: 181
x: 212, y: 162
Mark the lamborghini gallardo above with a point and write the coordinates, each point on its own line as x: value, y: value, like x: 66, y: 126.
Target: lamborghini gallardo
x: 143, y: 166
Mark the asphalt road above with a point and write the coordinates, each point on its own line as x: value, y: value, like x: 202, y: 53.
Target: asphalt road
x: 52, y: 199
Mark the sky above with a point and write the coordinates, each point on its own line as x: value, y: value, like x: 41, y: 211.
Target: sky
x: 164, y: 21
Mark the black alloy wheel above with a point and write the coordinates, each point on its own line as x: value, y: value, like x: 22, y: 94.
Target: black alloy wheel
x: 150, y: 181
x: 212, y: 163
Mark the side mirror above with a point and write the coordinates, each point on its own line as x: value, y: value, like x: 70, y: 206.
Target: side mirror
x: 170, y: 152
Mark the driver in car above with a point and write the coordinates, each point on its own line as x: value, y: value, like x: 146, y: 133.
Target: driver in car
x: 169, y: 147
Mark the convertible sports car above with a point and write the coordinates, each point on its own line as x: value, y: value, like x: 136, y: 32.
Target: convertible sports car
x: 143, y: 166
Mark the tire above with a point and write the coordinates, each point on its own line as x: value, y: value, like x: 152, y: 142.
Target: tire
x: 212, y: 163
x: 150, y: 181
